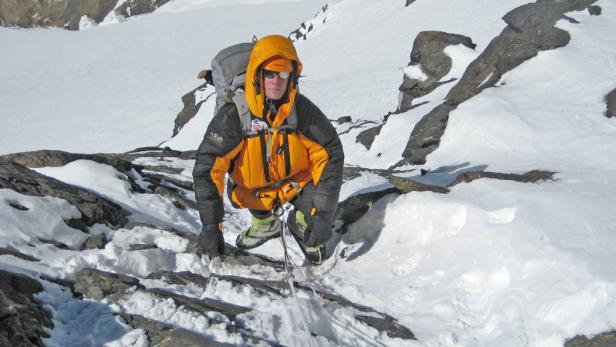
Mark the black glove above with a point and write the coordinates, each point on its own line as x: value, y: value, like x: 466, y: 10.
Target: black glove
x: 211, y: 241
x: 318, y: 231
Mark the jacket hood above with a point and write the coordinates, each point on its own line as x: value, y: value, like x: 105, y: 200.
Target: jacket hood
x: 264, y: 49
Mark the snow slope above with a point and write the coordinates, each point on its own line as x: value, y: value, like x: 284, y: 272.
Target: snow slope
x: 492, y: 263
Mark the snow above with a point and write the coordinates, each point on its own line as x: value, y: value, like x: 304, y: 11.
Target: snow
x: 492, y: 263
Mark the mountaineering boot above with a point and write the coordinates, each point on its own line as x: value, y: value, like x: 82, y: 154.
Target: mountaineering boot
x: 259, y: 232
x: 297, y: 225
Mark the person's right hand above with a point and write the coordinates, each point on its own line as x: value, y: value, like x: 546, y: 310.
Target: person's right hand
x: 319, y: 230
x: 211, y: 241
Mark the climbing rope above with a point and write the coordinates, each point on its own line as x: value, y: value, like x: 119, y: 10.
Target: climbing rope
x: 290, y: 277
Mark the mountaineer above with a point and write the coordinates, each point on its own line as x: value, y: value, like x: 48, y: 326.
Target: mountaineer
x: 280, y: 149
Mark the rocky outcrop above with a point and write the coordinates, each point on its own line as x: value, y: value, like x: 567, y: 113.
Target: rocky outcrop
x: 429, y: 56
x: 534, y: 176
x: 610, y: 101
x: 306, y: 27
x: 54, y: 158
x: 68, y: 13
x: 164, y: 335
x: 530, y: 29
x: 53, y: 13
x: 132, y: 8
x: 22, y: 319
x: 426, y: 135
x: 99, y: 285
x: 93, y: 208
x: 353, y: 208
x: 380, y: 321
x: 607, y: 339
x: 190, y: 109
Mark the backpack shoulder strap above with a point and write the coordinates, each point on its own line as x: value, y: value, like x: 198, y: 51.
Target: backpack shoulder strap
x: 244, y: 112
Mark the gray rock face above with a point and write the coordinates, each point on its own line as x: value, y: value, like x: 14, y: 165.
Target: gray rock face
x: 93, y: 208
x: 191, y: 107
x: 54, y: 158
x: 428, y: 53
x: 68, y: 13
x: 163, y: 335
x: 607, y: 339
x: 55, y: 13
x: 97, y: 284
x: 594, y: 10
x: 426, y: 136
x: 22, y: 319
x: 530, y: 29
x: 136, y: 7
x: 96, y: 242
x: 366, y: 137
x: 610, y: 100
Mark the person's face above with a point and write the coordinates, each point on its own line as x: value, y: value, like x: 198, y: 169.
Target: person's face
x: 275, y: 86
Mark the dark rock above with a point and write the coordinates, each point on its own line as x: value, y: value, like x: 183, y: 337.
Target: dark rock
x: 389, y: 326
x: 159, y: 180
x: 158, y: 152
x: 163, y: 335
x: 201, y: 306
x: 17, y: 254
x: 354, y: 207
x: 57, y: 244
x: 97, y: 284
x: 132, y: 8
x: 610, y: 100
x: 163, y: 169
x: 93, y: 208
x: 67, y: 13
x: 594, y: 10
x: 428, y: 53
x: 98, y: 241
x: 377, y: 320
x: 56, y: 13
x: 530, y: 30
x: 533, y: 176
x: 141, y: 247
x: 407, y: 185
x: 426, y: 136
x: 176, y: 198
x: 607, y: 339
x: 18, y: 206
x: 190, y: 109
x: 53, y: 158
x: 367, y: 136
x: 408, y: 2
x: 22, y: 319
x: 344, y: 119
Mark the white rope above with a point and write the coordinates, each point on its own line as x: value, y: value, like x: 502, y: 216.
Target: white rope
x: 289, y: 278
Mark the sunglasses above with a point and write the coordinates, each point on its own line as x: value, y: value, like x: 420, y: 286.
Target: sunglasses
x: 272, y: 74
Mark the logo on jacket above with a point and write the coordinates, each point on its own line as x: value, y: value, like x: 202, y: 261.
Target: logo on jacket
x: 258, y: 124
x: 215, y: 138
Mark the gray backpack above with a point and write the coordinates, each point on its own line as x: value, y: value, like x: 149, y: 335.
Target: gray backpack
x: 229, y: 78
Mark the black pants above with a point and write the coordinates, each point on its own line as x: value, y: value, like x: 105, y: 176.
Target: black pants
x: 302, y: 202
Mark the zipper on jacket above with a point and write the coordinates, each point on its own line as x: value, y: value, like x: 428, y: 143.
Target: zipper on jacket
x: 264, y: 150
x: 287, y: 156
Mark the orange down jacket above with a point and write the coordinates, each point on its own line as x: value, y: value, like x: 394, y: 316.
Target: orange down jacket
x: 268, y: 168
